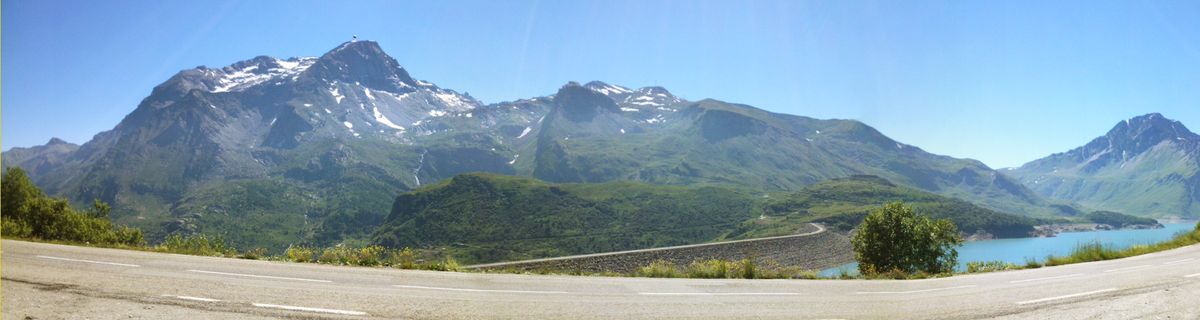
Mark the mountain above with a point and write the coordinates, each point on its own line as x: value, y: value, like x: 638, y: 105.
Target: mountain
x: 269, y: 151
x: 41, y: 160
x: 482, y: 218
x: 266, y: 150
x: 1145, y: 166
x: 598, y: 132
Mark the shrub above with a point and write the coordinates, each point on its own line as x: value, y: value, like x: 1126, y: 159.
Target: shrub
x: 299, y: 253
x: 335, y: 255
x: 27, y: 212
x: 1031, y: 263
x: 710, y: 269
x: 893, y: 239
x: 446, y: 265
x: 658, y: 269
x: 403, y: 259
x: 254, y: 254
x: 368, y: 256
x: 748, y: 269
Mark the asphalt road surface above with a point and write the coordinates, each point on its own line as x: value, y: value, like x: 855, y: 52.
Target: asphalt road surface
x: 44, y: 281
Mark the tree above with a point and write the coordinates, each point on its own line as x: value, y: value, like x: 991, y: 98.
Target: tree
x: 895, y: 239
x: 19, y: 193
x: 30, y: 213
x: 100, y: 209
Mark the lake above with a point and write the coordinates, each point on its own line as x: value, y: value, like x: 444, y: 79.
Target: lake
x: 1020, y: 249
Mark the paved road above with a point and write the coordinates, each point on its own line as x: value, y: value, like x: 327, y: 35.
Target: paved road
x: 52, y: 281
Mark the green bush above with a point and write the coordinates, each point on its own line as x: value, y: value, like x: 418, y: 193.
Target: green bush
x: 447, y: 265
x: 299, y: 253
x: 748, y: 269
x: 1031, y: 263
x: 710, y: 269
x: 254, y: 254
x: 658, y: 269
x: 29, y: 213
x: 893, y: 239
x: 403, y: 259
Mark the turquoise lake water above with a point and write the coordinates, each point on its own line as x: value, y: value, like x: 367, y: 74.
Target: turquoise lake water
x: 1018, y: 250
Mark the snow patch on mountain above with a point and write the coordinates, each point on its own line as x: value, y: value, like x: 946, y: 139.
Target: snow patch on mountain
x: 234, y: 80
x: 337, y: 96
x: 379, y: 117
x: 453, y: 100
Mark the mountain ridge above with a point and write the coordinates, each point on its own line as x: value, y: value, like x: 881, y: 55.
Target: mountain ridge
x: 318, y: 147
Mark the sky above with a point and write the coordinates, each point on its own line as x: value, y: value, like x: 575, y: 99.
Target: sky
x: 1003, y: 82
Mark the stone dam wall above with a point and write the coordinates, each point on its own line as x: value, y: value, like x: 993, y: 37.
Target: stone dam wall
x: 816, y: 250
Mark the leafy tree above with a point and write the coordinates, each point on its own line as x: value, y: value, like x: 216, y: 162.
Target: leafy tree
x: 100, y: 209
x: 895, y: 239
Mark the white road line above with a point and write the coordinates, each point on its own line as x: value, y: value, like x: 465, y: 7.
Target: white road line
x: 1127, y: 268
x: 718, y: 293
x: 1046, y: 278
x: 477, y: 290
x: 1178, y: 261
x: 1067, y: 296
x: 1192, y: 275
x: 258, y: 276
x: 192, y: 298
x: 90, y: 261
x: 915, y: 291
x: 321, y: 310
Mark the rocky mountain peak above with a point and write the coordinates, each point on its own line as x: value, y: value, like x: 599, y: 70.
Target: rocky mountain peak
x: 580, y: 103
x: 363, y: 62
x: 1140, y: 133
x: 56, y: 141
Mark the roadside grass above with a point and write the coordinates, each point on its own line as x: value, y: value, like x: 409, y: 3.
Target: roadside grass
x: 197, y: 245
x: 367, y: 256
x: 1091, y: 251
x: 723, y: 269
x: 991, y: 266
x: 1086, y: 252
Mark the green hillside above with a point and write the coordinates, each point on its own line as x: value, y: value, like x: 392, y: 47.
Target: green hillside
x: 486, y: 218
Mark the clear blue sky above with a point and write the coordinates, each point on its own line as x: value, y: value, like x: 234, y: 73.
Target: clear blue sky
x: 1004, y: 82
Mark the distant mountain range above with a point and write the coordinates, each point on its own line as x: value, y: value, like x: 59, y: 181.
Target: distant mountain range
x: 1144, y: 166
x: 274, y: 151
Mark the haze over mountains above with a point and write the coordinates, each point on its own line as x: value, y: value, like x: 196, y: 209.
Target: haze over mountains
x: 275, y: 151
